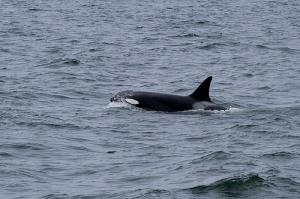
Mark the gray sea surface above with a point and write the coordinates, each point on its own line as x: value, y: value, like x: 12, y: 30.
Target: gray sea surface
x: 62, y: 61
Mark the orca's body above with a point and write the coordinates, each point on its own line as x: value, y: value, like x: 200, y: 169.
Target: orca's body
x: 199, y: 99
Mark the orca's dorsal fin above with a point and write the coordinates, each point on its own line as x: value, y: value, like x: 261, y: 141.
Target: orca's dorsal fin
x: 202, y: 92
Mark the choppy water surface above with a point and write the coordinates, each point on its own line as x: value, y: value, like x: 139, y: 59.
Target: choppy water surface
x: 60, y: 62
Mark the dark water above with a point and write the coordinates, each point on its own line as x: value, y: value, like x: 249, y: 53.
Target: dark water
x: 61, y: 61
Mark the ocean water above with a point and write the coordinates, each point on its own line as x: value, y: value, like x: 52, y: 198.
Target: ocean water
x: 62, y: 61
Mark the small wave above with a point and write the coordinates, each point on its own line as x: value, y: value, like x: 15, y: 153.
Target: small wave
x: 202, y: 22
x: 35, y: 9
x: 24, y: 146
x: 86, y: 196
x: 181, y: 90
x: 71, y: 62
x: 157, y: 193
x: 197, y: 22
x: 58, y: 63
x: 287, y: 181
x: 263, y: 47
x: 5, y: 154
x: 150, y: 39
x: 139, y: 179
x: 273, y: 109
x: 4, y: 50
x: 53, y: 125
x: 288, y: 50
x: 264, y: 88
x: 217, y: 155
x: 243, y: 126
x: 282, y: 49
x: 248, y: 75
x: 232, y: 185
x: 197, y: 138
x: 281, y: 154
x: 80, y: 148
x: 85, y: 172
x: 211, y: 46
x: 57, y: 96
x: 188, y: 35
x: 56, y: 196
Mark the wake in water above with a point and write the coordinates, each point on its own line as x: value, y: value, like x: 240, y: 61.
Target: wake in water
x: 229, y: 110
x: 126, y: 105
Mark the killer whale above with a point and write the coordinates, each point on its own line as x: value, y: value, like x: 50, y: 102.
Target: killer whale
x: 199, y: 99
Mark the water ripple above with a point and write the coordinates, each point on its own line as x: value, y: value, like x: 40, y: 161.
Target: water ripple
x: 60, y: 64
x: 232, y: 186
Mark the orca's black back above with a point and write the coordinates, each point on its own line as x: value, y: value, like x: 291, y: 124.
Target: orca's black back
x: 163, y: 102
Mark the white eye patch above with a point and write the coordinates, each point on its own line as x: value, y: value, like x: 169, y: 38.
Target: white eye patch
x: 131, y: 101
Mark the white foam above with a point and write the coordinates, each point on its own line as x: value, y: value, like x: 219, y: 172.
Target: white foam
x: 234, y: 110
x: 230, y: 110
x: 117, y: 105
